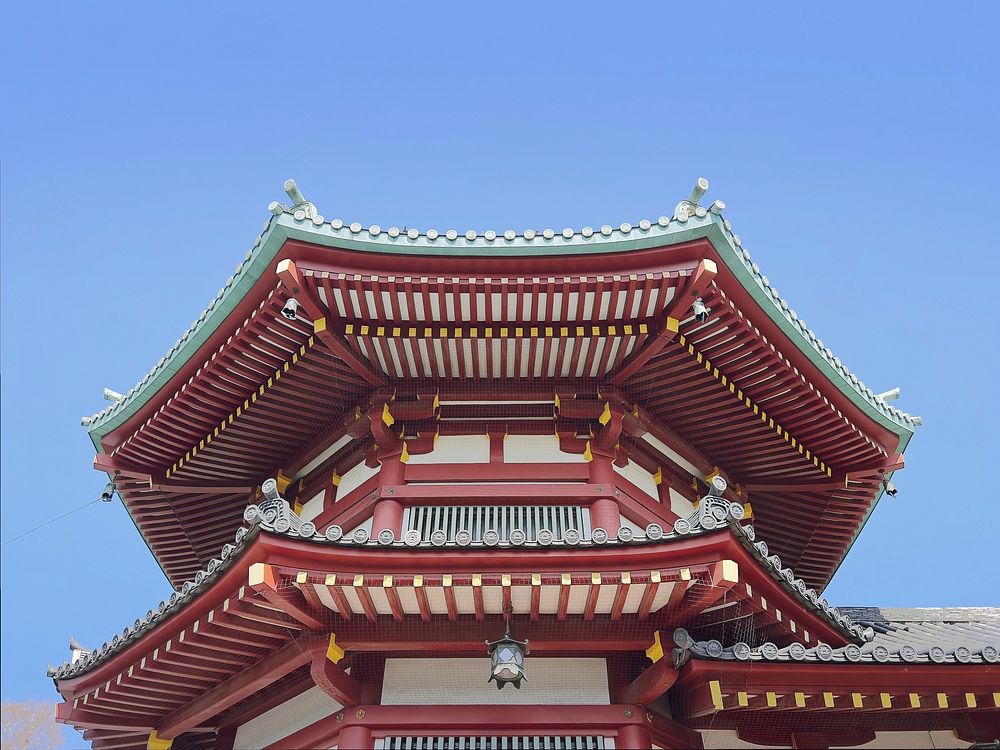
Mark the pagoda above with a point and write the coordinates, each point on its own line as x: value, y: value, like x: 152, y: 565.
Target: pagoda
x: 542, y: 489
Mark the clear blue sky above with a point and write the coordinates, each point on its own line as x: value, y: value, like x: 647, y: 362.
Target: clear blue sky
x: 855, y: 146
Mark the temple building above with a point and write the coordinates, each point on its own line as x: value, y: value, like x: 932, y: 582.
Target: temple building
x: 543, y: 489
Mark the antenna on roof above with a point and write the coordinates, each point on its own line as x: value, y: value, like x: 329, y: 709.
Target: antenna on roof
x: 889, y: 395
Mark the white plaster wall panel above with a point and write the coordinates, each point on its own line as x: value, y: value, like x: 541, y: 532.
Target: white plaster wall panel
x: 662, y: 596
x: 606, y: 598
x: 408, y: 599
x: 352, y: 599
x: 548, y: 599
x: 577, y: 601
x: 634, y: 598
x: 380, y: 600
x: 639, y: 477
x: 493, y: 598
x: 456, y: 449
x: 680, y: 504
x: 354, y: 478
x: 520, y: 599
x: 537, y: 449
x: 326, y: 597
x: 436, y: 600
x: 285, y: 719
x: 313, y: 507
x: 437, y: 681
x: 676, y: 457
x: 336, y: 446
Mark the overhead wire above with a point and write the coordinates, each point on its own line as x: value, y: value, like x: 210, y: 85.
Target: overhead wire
x: 50, y: 521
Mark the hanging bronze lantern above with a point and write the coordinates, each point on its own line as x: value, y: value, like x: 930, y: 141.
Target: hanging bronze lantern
x: 507, y: 658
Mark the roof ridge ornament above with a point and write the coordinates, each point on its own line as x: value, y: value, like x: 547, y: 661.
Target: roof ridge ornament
x: 275, y: 511
x: 713, y: 511
x: 301, y: 209
x: 689, y: 207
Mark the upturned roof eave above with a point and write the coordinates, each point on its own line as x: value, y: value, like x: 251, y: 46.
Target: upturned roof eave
x: 711, y: 227
x: 252, y: 544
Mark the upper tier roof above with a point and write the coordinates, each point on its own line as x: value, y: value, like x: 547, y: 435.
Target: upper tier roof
x: 689, y: 222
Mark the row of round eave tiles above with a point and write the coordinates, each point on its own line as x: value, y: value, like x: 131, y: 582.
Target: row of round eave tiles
x: 742, y: 651
x: 471, y: 235
x: 529, y: 234
x: 653, y: 532
x: 607, y: 230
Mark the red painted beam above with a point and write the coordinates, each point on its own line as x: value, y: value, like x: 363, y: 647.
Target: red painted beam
x: 330, y: 677
x: 652, y: 683
x: 233, y: 690
x: 460, y: 720
x: 292, y: 279
x: 264, y: 580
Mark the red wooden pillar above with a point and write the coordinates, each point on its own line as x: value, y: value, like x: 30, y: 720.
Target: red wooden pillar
x: 634, y: 737
x: 356, y: 737
x: 388, y: 512
x: 604, y: 512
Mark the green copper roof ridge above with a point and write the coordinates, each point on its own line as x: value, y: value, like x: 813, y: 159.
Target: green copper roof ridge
x: 246, y: 275
x: 296, y: 224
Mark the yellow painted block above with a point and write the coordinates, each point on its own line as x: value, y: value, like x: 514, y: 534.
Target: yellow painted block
x: 256, y: 573
x: 828, y: 700
x: 858, y: 700
x: 655, y: 651
x: 158, y: 743
x: 730, y: 571
x: 716, y: 690
x: 334, y: 652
